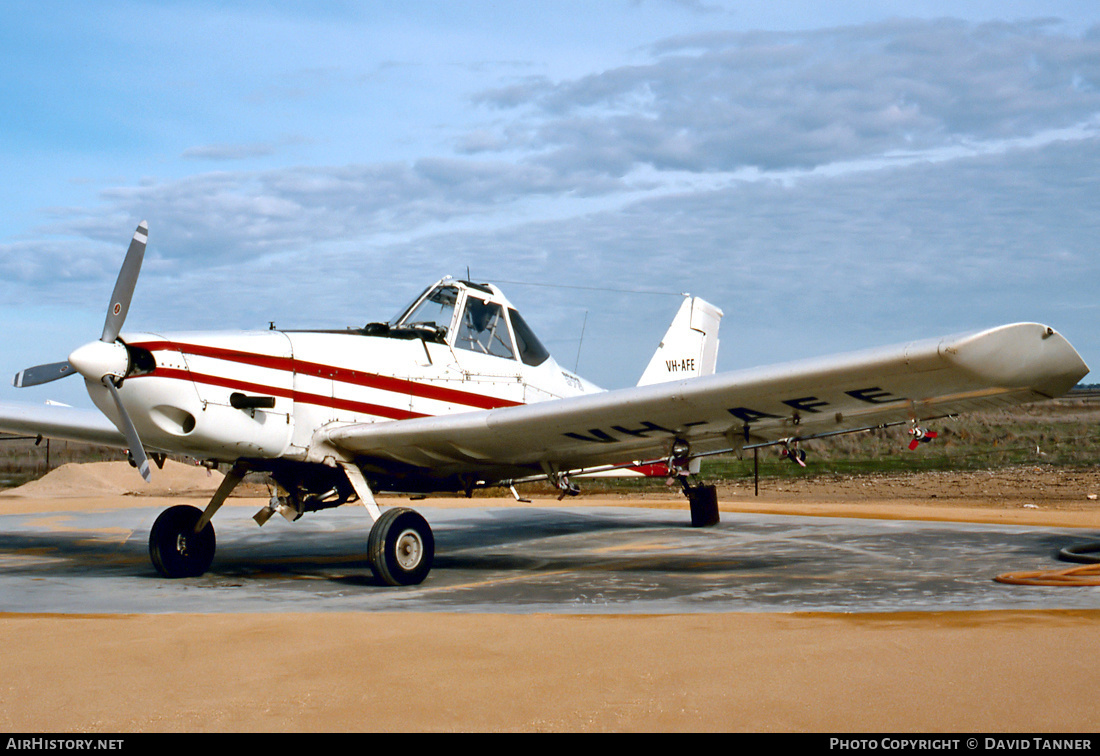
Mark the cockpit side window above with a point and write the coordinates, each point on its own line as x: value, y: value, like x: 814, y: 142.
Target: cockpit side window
x: 437, y: 309
x: 484, y: 329
x: 531, y: 350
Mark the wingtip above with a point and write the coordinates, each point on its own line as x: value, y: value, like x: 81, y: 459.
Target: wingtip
x: 1017, y: 355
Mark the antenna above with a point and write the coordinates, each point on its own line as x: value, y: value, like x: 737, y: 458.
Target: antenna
x: 580, y: 341
x: 592, y: 288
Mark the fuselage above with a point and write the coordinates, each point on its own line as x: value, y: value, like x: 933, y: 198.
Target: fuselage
x: 265, y: 394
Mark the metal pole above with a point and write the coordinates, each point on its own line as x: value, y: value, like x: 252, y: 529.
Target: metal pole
x: 756, y: 471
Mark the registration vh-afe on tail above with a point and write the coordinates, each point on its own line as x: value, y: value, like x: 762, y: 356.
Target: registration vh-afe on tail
x: 456, y: 393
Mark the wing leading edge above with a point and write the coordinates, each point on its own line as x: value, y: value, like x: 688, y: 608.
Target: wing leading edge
x: 1001, y: 366
x: 60, y: 422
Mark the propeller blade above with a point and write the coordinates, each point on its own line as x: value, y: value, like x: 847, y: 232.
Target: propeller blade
x: 137, y: 451
x: 39, y: 374
x: 124, y: 286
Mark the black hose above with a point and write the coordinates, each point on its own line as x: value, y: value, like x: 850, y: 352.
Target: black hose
x: 1085, y: 553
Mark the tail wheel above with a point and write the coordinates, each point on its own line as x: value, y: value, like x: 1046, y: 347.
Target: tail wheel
x: 176, y: 549
x: 704, y: 505
x: 401, y: 547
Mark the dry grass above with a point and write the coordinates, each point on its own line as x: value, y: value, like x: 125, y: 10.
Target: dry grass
x: 1062, y: 432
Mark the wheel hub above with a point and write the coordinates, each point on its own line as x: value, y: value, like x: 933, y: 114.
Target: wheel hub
x: 410, y: 549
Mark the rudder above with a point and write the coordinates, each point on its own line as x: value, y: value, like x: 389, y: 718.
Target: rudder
x: 690, y: 346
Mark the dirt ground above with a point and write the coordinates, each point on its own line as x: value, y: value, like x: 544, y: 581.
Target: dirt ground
x: 919, y: 672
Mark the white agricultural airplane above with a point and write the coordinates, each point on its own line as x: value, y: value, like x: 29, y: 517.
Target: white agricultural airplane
x: 457, y: 393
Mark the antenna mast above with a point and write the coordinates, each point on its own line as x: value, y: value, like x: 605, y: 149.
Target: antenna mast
x: 581, y: 341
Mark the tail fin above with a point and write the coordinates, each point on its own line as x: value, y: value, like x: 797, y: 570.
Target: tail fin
x: 690, y: 347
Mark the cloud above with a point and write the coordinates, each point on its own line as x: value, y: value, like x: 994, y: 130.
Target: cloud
x: 242, y: 151
x: 237, y: 216
x: 695, y: 6
x: 715, y: 104
x: 829, y: 189
x: 824, y: 264
x: 724, y: 100
x: 229, y: 151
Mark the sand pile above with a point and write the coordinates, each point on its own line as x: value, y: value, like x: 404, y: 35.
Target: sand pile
x: 119, y: 479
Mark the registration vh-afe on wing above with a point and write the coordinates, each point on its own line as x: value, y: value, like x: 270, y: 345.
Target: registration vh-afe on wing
x: 456, y: 393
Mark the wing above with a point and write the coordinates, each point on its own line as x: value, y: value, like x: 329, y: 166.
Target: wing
x: 1007, y: 365
x: 61, y: 422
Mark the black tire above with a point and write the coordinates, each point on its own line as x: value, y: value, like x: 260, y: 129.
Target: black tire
x: 401, y: 547
x: 176, y: 549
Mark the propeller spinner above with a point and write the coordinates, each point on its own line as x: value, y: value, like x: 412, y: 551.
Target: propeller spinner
x: 107, y: 360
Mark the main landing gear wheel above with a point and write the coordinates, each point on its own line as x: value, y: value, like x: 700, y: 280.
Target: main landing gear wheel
x: 401, y: 547
x: 176, y: 549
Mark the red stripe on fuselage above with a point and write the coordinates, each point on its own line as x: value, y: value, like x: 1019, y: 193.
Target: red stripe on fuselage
x: 343, y: 375
x: 377, y: 410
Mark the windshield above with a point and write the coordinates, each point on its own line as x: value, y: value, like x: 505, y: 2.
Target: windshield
x: 401, y: 313
x: 437, y: 309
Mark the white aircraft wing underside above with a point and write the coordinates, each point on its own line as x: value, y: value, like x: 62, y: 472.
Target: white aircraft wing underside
x: 60, y: 422
x: 1010, y: 364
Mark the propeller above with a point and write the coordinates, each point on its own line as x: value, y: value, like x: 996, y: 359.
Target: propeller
x: 137, y: 451
x: 107, y: 360
x: 124, y: 286
x: 34, y: 376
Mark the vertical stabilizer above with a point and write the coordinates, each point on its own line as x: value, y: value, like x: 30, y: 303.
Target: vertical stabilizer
x: 690, y: 347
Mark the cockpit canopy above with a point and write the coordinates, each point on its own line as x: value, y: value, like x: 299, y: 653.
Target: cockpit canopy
x: 469, y: 316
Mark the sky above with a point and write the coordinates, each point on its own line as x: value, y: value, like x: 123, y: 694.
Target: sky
x: 833, y: 176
